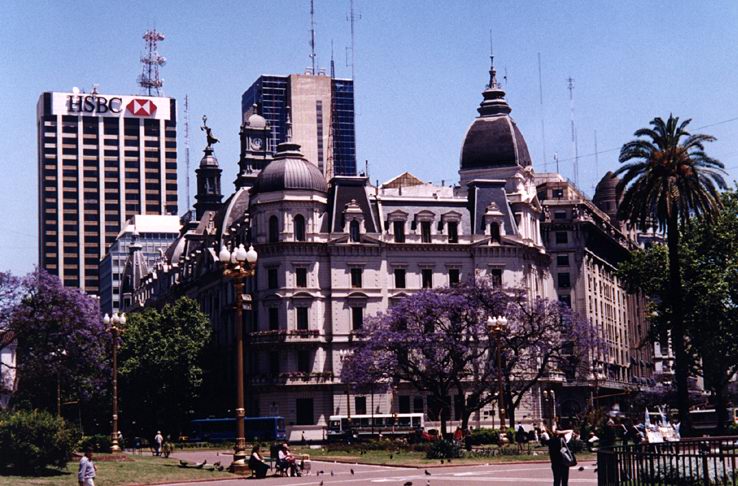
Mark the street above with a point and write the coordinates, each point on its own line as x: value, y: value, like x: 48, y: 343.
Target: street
x: 518, y: 474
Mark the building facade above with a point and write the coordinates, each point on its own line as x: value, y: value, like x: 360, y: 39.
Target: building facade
x: 333, y: 253
x: 587, y: 243
x: 101, y: 160
x: 317, y: 109
x: 153, y: 233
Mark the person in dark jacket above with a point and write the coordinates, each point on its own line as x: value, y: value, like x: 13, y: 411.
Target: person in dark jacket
x: 555, y: 443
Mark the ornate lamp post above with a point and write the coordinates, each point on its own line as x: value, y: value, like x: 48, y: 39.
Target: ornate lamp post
x: 343, y: 354
x: 238, y: 265
x: 497, y: 326
x: 116, y: 324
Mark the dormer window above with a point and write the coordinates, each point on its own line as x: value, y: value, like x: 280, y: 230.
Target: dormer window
x: 299, y: 227
x: 354, y: 231
x: 398, y: 228
x: 453, y: 232
x: 494, y: 232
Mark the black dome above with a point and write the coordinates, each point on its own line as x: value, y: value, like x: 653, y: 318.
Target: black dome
x: 290, y: 170
x: 493, y: 139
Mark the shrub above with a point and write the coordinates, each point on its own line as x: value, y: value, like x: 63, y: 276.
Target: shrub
x: 444, y: 449
x: 485, y: 436
x: 99, y: 443
x: 30, y: 441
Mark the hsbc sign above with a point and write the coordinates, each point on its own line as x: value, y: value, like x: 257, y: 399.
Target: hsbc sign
x: 141, y: 107
x: 111, y: 105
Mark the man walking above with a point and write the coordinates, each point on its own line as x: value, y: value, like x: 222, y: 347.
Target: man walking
x: 86, y: 474
x: 158, y: 441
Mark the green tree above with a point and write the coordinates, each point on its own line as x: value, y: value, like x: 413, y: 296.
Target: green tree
x: 667, y: 179
x: 161, y: 366
x: 710, y: 260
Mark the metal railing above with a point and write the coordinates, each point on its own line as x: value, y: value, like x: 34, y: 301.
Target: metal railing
x: 693, y: 461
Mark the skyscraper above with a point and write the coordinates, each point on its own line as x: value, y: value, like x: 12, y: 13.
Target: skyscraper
x: 321, y: 116
x: 101, y: 160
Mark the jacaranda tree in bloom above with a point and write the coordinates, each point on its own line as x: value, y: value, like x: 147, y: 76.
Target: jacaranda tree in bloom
x: 10, y: 292
x: 437, y: 341
x: 60, y: 337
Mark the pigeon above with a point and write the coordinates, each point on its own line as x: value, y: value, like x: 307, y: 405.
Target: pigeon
x: 427, y: 473
x: 581, y: 468
x: 408, y: 483
x: 216, y: 464
x: 321, y: 483
x: 352, y: 472
x: 441, y: 461
x: 320, y: 472
x: 331, y: 473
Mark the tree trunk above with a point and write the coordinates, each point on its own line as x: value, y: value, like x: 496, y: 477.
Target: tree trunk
x: 677, y: 325
x: 444, y: 419
x: 509, y: 407
x: 720, y: 407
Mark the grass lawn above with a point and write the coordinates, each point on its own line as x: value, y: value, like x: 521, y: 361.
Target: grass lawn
x: 139, y: 470
x: 414, y: 458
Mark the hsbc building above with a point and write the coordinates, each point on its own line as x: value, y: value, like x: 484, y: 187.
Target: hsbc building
x: 102, y: 159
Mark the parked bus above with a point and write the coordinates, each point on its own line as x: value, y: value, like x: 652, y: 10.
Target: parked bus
x: 705, y: 421
x: 366, y: 426
x: 224, y: 429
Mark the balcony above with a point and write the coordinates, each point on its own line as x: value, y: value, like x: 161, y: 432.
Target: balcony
x: 278, y: 336
x: 292, y: 378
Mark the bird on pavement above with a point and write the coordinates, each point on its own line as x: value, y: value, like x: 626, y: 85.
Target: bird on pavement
x: 331, y: 473
x: 352, y: 472
x: 408, y: 483
x: 321, y: 483
x: 320, y: 472
x: 427, y: 473
x: 581, y: 468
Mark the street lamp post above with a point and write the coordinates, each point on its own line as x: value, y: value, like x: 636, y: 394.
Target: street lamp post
x: 238, y: 265
x: 343, y: 354
x: 58, y: 354
x: 116, y: 324
x: 497, y: 326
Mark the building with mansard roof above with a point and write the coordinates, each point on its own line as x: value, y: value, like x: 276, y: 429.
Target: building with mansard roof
x: 334, y: 252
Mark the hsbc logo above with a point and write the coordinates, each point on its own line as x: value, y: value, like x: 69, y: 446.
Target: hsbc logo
x: 141, y: 107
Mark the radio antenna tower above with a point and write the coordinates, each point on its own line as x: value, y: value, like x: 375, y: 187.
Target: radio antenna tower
x: 312, y: 36
x: 352, y: 18
x: 543, y: 112
x: 149, y: 80
x: 187, y: 145
x: 575, y: 148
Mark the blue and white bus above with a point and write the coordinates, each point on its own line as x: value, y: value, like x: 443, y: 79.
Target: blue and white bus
x: 224, y: 429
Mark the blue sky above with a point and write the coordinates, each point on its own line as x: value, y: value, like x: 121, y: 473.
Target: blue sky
x: 420, y: 68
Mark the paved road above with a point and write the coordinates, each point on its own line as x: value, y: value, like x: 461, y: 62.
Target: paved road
x: 364, y: 475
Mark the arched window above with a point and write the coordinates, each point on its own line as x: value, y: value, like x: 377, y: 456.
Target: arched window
x: 273, y: 229
x: 299, y: 223
x: 354, y: 231
x: 494, y: 232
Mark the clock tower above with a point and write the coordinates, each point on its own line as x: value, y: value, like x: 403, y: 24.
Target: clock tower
x: 256, y: 148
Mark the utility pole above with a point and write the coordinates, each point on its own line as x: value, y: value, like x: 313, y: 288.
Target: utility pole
x: 575, y: 149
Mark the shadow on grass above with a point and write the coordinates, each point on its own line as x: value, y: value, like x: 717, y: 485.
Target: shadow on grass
x: 45, y: 473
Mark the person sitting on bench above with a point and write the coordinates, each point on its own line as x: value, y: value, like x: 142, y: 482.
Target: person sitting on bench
x: 285, y: 458
x: 257, y: 464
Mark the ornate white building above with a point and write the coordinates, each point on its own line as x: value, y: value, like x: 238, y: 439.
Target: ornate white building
x: 332, y: 253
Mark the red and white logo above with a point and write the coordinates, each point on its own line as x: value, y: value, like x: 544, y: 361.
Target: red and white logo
x: 139, y: 107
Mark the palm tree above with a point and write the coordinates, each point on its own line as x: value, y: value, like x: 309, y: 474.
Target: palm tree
x: 667, y: 179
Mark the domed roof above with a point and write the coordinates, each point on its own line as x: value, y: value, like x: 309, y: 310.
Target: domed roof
x: 255, y: 120
x: 290, y: 170
x: 606, y: 195
x: 493, y: 139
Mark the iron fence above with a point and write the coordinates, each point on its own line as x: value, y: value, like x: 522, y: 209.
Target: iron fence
x: 689, y: 462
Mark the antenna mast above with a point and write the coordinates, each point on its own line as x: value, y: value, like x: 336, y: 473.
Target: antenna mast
x: 312, y: 35
x: 575, y: 149
x: 187, y: 145
x: 333, y: 64
x: 543, y: 113
x: 597, y: 163
x: 352, y: 18
x: 149, y: 79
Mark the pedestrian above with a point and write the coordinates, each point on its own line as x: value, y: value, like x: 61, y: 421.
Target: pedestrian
x: 560, y: 460
x: 458, y: 434
x: 288, y: 460
x: 544, y: 436
x: 86, y: 474
x: 257, y: 463
x: 158, y: 441
x: 521, y: 437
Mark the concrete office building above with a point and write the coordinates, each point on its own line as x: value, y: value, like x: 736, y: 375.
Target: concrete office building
x: 152, y: 234
x: 320, y: 112
x: 101, y: 160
